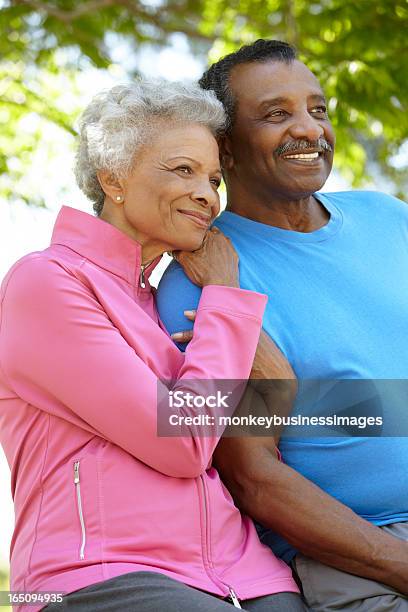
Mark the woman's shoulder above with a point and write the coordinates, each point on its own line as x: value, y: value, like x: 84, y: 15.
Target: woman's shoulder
x: 39, y: 271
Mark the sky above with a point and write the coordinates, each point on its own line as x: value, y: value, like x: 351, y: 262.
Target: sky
x: 24, y: 229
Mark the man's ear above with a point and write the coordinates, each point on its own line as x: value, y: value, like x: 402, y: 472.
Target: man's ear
x: 226, y: 157
x: 111, y: 185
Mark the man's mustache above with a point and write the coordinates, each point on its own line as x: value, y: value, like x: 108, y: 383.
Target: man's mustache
x: 299, y: 146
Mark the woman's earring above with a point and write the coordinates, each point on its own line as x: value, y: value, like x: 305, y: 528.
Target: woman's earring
x: 119, y: 198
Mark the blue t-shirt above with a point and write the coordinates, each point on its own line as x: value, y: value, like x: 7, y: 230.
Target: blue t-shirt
x: 338, y: 309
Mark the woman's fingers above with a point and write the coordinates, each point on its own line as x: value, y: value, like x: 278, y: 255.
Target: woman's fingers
x: 190, y: 314
x: 183, y: 336
x: 214, y: 263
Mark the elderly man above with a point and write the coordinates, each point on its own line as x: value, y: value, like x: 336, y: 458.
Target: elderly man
x: 335, y: 267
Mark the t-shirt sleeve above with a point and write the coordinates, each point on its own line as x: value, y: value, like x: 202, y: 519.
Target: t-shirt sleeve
x: 394, y: 213
x: 175, y: 294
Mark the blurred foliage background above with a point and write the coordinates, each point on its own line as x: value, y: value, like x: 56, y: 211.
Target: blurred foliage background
x: 357, y: 49
x: 4, y: 586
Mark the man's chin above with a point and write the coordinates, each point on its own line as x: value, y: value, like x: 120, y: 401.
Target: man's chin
x: 304, y: 185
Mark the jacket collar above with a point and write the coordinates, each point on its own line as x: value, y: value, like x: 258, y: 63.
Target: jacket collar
x: 101, y: 243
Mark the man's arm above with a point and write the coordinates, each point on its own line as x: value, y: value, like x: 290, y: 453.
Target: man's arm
x: 313, y: 522
x: 273, y: 493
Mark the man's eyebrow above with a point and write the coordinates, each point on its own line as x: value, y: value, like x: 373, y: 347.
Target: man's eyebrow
x: 315, y: 97
x: 318, y: 98
x: 273, y: 102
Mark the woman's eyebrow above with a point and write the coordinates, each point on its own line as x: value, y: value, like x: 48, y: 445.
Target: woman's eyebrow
x: 183, y: 157
x: 194, y: 161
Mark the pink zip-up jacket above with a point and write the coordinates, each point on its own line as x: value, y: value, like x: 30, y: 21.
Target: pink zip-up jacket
x: 97, y: 492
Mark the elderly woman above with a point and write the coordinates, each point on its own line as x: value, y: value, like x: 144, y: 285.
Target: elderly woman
x: 107, y: 512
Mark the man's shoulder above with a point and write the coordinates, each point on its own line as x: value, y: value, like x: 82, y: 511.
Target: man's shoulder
x: 175, y: 294
x: 174, y: 280
x: 360, y: 196
x: 376, y: 205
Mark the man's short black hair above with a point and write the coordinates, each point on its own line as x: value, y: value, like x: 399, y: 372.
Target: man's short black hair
x: 217, y: 75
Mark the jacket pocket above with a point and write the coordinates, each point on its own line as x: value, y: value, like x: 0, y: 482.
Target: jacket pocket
x: 77, y: 484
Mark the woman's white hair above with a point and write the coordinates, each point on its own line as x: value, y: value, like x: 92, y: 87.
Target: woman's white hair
x: 119, y: 121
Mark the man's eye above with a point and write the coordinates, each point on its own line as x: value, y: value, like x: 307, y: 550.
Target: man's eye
x: 276, y: 113
x: 276, y: 116
x: 216, y: 182
x: 319, y: 110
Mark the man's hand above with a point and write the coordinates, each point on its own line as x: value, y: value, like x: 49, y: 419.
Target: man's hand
x: 310, y: 520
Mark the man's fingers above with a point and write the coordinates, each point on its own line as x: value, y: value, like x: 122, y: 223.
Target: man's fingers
x: 184, y: 336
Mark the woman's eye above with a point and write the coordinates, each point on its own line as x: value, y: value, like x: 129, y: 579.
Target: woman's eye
x: 184, y: 169
x: 216, y: 182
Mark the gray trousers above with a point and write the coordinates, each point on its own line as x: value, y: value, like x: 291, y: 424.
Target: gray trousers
x: 326, y: 589
x: 153, y: 592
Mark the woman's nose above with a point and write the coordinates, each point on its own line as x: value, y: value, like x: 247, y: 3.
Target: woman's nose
x: 205, y: 194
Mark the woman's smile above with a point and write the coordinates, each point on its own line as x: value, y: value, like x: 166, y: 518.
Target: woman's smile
x: 201, y: 219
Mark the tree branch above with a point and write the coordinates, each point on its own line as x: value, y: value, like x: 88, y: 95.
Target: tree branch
x: 46, y: 114
x: 292, y: 33
x: 67, y: 16
x: 154, y: 18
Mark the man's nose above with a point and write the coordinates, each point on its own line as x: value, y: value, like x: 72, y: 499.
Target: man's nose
x: 306, y: 127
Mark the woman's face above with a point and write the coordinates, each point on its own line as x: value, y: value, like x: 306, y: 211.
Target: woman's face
x: 171, y: 196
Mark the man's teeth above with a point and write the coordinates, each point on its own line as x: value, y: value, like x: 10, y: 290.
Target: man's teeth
x: 303, y: 156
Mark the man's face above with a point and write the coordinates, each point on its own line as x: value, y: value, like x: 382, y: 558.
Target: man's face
x: 282, y: 140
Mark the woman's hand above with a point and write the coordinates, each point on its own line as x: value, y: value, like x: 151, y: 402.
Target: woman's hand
x: 214, y: 263
x: 185, y: 336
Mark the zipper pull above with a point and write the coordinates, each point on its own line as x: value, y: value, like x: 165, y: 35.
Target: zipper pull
x: 76, y: 472
x: 234, y: 598
x: 142, y: 277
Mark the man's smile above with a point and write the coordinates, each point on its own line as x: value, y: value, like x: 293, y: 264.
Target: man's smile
x: 303, y: 149
x: 303, y: 156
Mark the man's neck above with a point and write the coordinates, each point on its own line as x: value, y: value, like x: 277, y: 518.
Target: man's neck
x: 305, y: 214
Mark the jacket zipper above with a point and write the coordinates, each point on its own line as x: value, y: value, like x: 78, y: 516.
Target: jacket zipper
x: 234, y: 598
x: 232, y: 595
x: 142, y: 275
x: 80, y: 511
